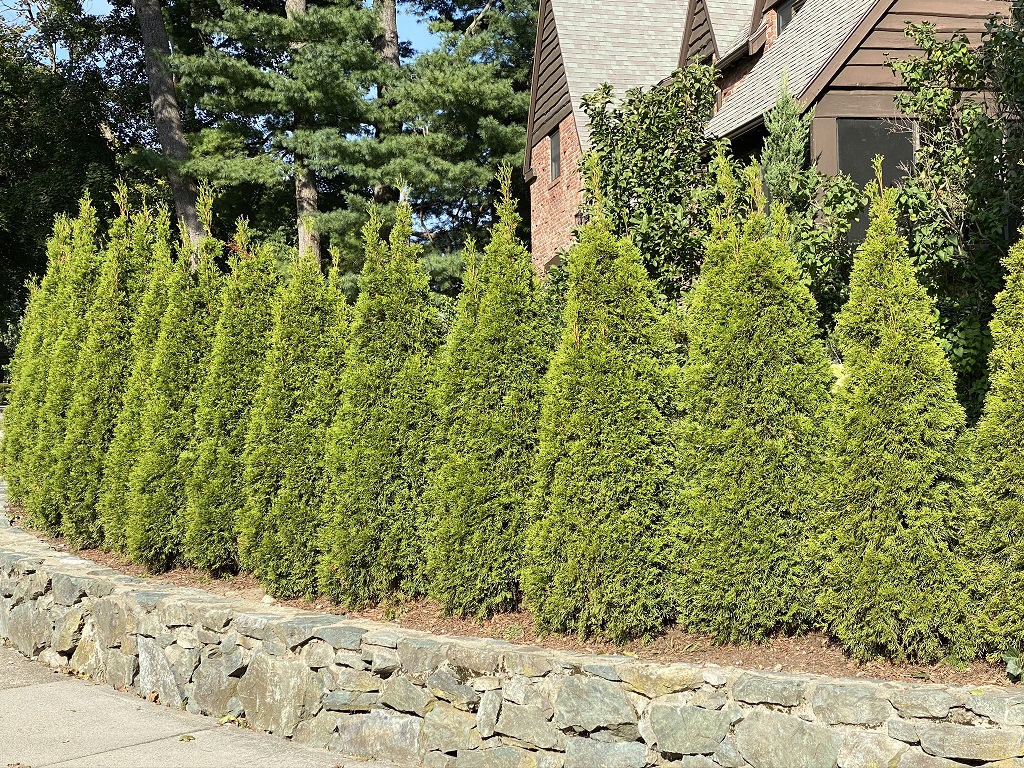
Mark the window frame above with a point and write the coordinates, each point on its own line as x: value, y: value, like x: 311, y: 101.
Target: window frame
x: 555, y: 149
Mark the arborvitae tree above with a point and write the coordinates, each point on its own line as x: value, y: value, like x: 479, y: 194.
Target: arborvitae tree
x: 74, y: 297
x: 377, y: 448
x: 756, y: 380
x: 597, y: 551
x: 103, y: 370
x: 487, y: 398
x: 896, y: 578
x: 286, y: 443
x: 999, y: 448
x: 29, y: 364
x: 156, y: 496
x: 112, y: 504
x: 215, y: 490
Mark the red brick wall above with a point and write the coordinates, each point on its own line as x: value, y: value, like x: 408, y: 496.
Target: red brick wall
x: 554, y: 204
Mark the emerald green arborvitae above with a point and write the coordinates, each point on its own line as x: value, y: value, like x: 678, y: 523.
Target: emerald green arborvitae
x: 156, y: 484
x: 896, y: 577
x: 377, y: 447
x: 598, y: 547
x: 286, y: 444
x: 999, y: 458
x: 487, y: 398
x: 103, y: 370
x: 756, y: 381
x: 215, y: 490
x: 29, y: 364
x: 112, y: 504
x: 78, y: 284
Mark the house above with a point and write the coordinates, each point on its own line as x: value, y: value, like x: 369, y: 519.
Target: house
x: 833, y: 53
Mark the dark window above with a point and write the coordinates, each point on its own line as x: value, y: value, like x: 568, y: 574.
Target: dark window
x: 785, y: 13
x: 556, y: 154
x: 859, y: 141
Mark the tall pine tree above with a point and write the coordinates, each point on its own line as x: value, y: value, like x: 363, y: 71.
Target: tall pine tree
x: 215, y: 490
x: 896, y: 576
x: 597, y: 557
x: 377, y: 448
x: 488, y: 405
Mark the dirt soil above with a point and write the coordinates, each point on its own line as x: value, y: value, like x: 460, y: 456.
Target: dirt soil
x: 811, y: 653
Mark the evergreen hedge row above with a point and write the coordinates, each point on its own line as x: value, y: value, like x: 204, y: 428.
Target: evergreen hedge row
x: 612, y: 462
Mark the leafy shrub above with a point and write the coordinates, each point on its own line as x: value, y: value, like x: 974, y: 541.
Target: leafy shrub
x: 999, y: 446
x: 112, y: 503
x: 598, y: 548
x: 104, y: 366
x: 377, y: 448
x: 156, y: 483
x: 286, y: 442
x: 215, y: 489
x: 76, y: 290
x: 895, y: 578
x: 487, y: 398
x: 755, y: 383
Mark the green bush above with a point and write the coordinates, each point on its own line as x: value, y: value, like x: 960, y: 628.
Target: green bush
x: 597, y: 550
x: 112, y: 503
x: 896, y: 578
x: 103, y: 370
x: 78, y: 284
x: 286, y: 443
x: 756, y: 381
x: 29, y: 364
x: 487, y: 398
x: 156, y: 483
x: 215, y: 489
x: 377, y: 447
x: 999, y: 446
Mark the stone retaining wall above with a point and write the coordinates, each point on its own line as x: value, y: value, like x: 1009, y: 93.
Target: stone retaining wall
x: 373, y: 691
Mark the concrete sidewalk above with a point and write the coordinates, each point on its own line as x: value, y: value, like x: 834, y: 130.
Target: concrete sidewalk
x: 49, y: 720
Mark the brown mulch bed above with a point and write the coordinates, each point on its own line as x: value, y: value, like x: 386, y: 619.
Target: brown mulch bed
x: 811, y: 653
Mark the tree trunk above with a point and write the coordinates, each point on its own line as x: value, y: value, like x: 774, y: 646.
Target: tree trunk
x: 306, y: 202
x: 166, y: 115
x: 387, y: 48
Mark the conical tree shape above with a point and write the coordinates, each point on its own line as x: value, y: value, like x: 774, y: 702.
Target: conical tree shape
x: 597, y: 552
x: 77, y: 288
x: 999, y: 448
x: 756, y: 380
x: 29, y: 364
x: 112, y: 504
x: 215, y: 490
x: 377, y: 448
x: 487, y: 396
x: 896, y: 578
x: 156, y: 496
x: 104, y: 367
x: 287, y: 441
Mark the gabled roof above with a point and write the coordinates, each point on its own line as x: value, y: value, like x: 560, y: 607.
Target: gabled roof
x: 803, y: 50
x: 627, y: 43
x: 730, y: 20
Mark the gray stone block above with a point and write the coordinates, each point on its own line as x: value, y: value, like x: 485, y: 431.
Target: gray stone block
x: 653, y: 680
x: 444, y: 685
x: 446, y: 729
x: 380, y: 735
x: 923, y: 702
x: 587, y: 753
x: 529, y: 725
x: 346, y: 679
x: 754, y: 688
x: 915, y: 758
x: 419, y: 657
x: 963, y: 742
x: 768, y: 739
x: 28, y: 629
x: 870, y: 750
x: 156, y: 675
x: 586, y: 704
x: 680, y: 729
x: 488, y: 713
x: 317, y: 732
x: 506, y: 757
x: 401, y: 695
x: 350, y: 701
x: 850, y: 704
x: 341, y: 636
x: 277, y: 694
x: 999, y: 708
x: 215, y: 684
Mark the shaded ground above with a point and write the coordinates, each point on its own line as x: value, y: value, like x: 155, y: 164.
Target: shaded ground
x: 812, y: 653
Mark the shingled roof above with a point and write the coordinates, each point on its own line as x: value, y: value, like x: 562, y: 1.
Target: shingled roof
x: 730, y: 22
x: 802, y: 51
x: 627, y: 43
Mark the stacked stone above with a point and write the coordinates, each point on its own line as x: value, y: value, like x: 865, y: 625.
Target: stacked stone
x: 372, y: 691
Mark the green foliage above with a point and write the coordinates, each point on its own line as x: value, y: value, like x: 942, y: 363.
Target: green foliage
x: 156, y: 483
x: 651, y: 148
x: 377, y: 448
x: 487, y: 397
x: 999, y: 445
x: 755, y: 383
x: 896, y: 574
x: 121, y: 454
x: 104, y: 366
x: 299, y: 391
x: 215, y: 489
x: 29, y: 364
x: 75, y: 294
x: 598, y: 548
